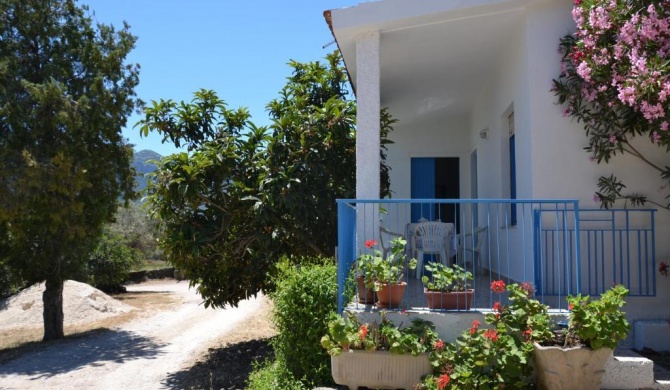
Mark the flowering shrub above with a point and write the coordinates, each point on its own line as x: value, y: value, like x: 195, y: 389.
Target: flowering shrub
x: 497, y: 357
x: 378, y: 270
x: 615, y: 79
x: 349, y: 334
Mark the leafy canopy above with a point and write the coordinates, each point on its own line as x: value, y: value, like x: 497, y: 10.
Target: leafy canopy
x: 65, y: 94
x: 245, y: 195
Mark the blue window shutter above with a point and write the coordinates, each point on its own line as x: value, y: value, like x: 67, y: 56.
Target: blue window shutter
x: 423, y: 187
x: 512, y: 178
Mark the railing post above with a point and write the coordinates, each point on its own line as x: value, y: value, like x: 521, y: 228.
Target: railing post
x: 346, y: 238
x: 578, y: 248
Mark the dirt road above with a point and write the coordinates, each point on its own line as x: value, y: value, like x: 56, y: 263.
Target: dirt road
x: 136, y: 355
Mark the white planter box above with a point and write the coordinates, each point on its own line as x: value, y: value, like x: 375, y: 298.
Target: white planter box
x: 379, y: 369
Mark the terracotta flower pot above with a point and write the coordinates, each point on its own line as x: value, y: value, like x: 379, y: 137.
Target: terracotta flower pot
x: 577, y: 368
x: 365, y: 295
x: 390, y: 295
x: 457, y: 300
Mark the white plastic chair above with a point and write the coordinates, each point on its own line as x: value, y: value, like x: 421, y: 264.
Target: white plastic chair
x: 431, y: 238
x: 472, y: 243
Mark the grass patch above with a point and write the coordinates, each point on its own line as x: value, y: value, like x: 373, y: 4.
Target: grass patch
x: 151, y: 265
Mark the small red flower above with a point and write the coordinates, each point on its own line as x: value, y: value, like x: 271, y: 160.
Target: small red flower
x: 663, y: 268
x: 443, y: 381
x: 498, y: 286
x: 528, y: 333
x: 491, y: 334
x: 578, y: 2
x: 475, y: 326
x: 571, y: 306
x: 497, y: 307
x: 438, y: 345
x: 370, y: 243
x: 363, y: 332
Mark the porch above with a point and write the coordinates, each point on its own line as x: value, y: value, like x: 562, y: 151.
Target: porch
x: 554, y: 245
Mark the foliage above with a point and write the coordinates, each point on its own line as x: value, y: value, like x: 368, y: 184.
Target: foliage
x: 245, y: 195
x: 272, y: 375
x: 446, y: 278
x: 349, y: 334
x: 615, y: 80
x: 134, y: 228
x: 598, y: 323
x: 304, y: 298
x: 497, y: 357
x: 111, y: 261
x: 65, y: 94
x: 377, y: 270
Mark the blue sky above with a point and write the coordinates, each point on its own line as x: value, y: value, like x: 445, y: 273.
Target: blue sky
x: 237, y: 48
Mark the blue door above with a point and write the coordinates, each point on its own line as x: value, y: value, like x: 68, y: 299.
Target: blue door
x: 423, y: 187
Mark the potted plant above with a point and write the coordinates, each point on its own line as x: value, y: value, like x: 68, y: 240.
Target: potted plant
x: 378, y: 354
x: 448, y: 288
x: 385, y: 275
x: 575, y: 358
x: 365, y: 275
x: 494, y: 355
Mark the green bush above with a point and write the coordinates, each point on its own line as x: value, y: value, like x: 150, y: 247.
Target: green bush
x: 305, y: 297
x: 111, y: 261
x: 272, y: 375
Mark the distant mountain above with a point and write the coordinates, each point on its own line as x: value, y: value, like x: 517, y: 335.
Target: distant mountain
x: 143, y: 166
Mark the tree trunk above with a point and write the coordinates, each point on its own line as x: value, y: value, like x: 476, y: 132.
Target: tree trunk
x: 53, y: 310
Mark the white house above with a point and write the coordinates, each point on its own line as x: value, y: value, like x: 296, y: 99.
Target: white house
x: 469, y: 82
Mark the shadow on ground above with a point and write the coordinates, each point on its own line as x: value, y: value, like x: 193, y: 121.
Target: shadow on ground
x: 91, y: 348
x: 223, y: 368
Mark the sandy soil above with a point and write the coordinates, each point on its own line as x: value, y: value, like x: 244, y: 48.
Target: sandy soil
x: 145, y: 353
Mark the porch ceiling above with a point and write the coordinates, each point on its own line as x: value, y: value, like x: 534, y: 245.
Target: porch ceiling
x: 434, y: 62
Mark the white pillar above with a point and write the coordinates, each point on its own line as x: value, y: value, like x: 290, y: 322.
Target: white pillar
x: 367, y: 115
x: 367, y: 135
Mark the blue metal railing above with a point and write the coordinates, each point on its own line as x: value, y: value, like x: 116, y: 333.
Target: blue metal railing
x: 555, y: 245
x: 617, y: 246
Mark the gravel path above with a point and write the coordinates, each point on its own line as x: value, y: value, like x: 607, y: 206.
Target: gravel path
x: 138, y: 355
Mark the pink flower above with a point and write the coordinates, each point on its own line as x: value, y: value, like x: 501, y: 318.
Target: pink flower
x: 596, y: 198
x: 613, y: 139
x: 528, y: 288
x: 439, y: 345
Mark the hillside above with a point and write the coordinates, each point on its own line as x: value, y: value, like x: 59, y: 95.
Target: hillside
x: 143, y: 166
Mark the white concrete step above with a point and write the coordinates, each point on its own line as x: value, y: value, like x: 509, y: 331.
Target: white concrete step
x: 629, y: 370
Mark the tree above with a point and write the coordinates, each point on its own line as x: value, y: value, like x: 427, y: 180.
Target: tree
x: 65, y: 94
x: 246, y: 195
x: 615, y: 78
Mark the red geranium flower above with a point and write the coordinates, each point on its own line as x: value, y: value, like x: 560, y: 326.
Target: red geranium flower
x: 491, y: 334
x: 497, y: 307
x: 362, y: 332
x: 475, y: 326
x: 443, y: 381
x: 498, y: 286
x: 571, y: 306
x: 370, y: 243
x: 528, y: 333
x: 439, y: 345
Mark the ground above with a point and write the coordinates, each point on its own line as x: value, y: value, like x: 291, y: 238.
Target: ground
x: 171, y: 342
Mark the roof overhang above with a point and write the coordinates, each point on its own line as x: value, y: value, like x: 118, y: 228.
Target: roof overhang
x: 435, y: 56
